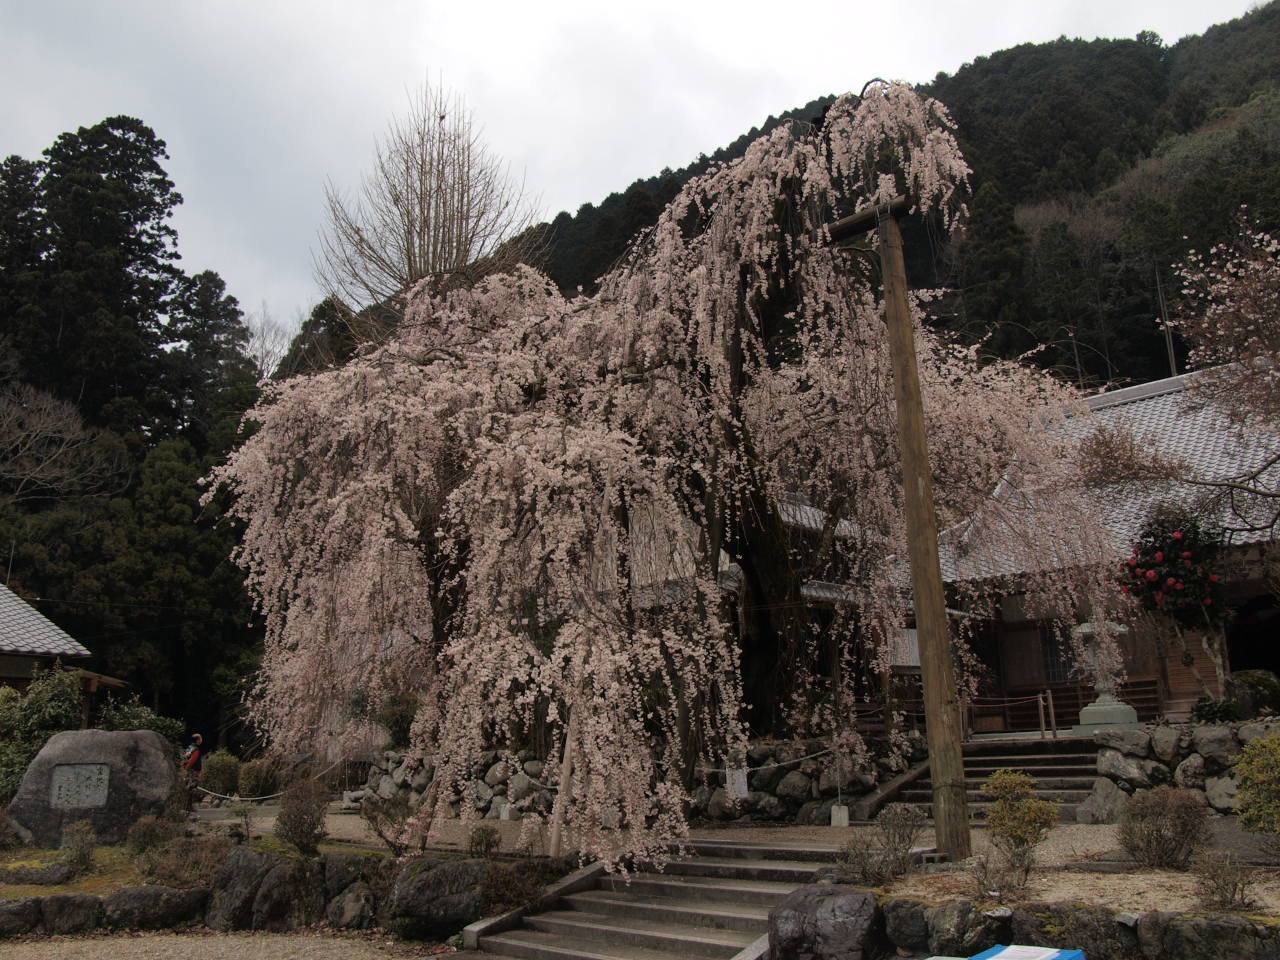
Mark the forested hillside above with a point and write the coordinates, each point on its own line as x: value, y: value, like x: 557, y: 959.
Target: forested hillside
x: 1097, y: 165
x: 122, y: 379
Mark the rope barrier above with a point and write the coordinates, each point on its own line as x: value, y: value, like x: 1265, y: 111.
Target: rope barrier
x: 271, y: 796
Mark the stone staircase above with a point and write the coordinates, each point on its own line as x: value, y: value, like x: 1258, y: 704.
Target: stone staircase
x: 1064, y: 770
x: 713, y: 904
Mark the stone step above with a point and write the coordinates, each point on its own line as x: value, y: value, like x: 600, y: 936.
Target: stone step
x: 1042, y: 783
x: 977, y: 796
x: 1089, y: 769
x: 750, y: 850
x: 1030, y: 745
x: 693, y: 888
x: 740, y: 868
x: 995, y: 761
x: 680, y: 939
x: 540, y: 945
x: 978, y: 811
x: 726, y: 915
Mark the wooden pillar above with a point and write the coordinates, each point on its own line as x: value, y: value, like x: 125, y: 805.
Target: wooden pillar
x: 941, y: 698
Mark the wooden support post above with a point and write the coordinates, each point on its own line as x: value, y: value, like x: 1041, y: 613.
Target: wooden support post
x: 565, y: 791
x: 1053, y: 714
x: 941, y: 697
x: 1040, y: 709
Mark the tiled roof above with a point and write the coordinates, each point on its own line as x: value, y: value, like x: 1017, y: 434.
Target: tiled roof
x: 25, y: 630
x: 1180, y: 426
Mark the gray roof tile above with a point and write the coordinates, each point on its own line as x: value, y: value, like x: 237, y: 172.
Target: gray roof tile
x: 25, y: 630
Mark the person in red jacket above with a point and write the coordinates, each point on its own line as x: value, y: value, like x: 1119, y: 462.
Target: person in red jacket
x: 193, y: 757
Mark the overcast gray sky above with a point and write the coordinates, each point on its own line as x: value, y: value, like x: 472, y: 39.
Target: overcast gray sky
x: 260, y: 101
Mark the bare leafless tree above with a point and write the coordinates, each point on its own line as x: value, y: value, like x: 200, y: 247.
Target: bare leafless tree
x: 46, y: 452
x: 438, y: 204
x: 269, y: 340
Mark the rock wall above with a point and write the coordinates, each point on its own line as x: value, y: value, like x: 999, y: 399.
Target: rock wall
x: 422, y: 897
x: 1194, y: 757
x: 792, y: 781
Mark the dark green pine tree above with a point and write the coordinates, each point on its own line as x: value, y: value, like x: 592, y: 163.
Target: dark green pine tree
x: 210, y: 379
x: 90, y: 333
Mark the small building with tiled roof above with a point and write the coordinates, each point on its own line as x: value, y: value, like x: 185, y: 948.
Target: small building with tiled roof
x: 1172, y: 420
x: 29, y: 639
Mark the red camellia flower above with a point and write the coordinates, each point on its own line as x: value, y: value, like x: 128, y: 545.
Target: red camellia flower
x: 1159, y: 597
x: 1213, y: 578
x: 1186, y: 554
x: 1124, y: 589
x: 1133, y: 563
x: 1177, y: 586
x: 1159, y: 557
x: 1171, y: 581
x: 1177, y: 536
x: 1152, y: 575
x: 1208, y: 601
x: 1139, y: 571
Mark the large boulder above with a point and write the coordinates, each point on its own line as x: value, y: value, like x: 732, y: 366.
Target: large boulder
x: 1136, y: 773
x: 1165, y: 744
x: 1104, y: 805
x: 795, y: 786
x: 906, y: 925
x: 153, y: 907
x: 957, y: 928
x: 291, y: 895
x: 433, y: 899
x: 355, y: 908
x: 236, y: 887
x: 1218, y: 745
x: 1221, y: 793
x: 111, y: 778
x: 19, y: 916
x: 1189, y: 774
x: 1135, y: 743
x: 1194, y: 937
x: 824, y: 921
x: 1093, y: 930
x: 341, y: 870
x: 70, y: 912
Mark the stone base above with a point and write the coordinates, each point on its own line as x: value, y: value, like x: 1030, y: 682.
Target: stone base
x: 1105, y: 713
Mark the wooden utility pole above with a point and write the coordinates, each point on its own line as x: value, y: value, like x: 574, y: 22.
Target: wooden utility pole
x: 941, y: 698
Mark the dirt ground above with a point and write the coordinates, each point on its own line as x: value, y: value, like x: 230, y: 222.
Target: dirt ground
x: 206, y: 945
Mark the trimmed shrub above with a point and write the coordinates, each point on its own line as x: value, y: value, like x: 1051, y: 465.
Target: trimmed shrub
x: 1018, y: 822
x: 1258, y: 770
x: 78, y: 845
x: 221, y: 773
x: 258, y: 778
x: 301, y: 818
x: 149, y: 832
x: 1164, y: 827
x: 872, y: 857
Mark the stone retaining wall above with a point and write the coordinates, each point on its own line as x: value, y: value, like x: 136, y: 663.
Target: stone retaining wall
x: 421, y: 898
x: 829, y: 921
x: 1194, y: 757
x: 786, y: 782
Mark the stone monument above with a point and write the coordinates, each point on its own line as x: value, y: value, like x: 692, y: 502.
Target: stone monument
x: 110, y: 778
x: 1107, y: 711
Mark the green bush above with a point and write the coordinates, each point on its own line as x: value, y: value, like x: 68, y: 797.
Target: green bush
x: 301, y: 818
x: 133, y: 714
x: 1164, y: 827
x: 258, y: 778
x: 78, y: 845
x: 220, y: 773
x: 1258, y: 770
x: 52, y: 703
x: 1017, y: 822
x: 1208, y: 710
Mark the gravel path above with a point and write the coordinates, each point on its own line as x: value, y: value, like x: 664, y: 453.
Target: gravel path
x: 215, y: 946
